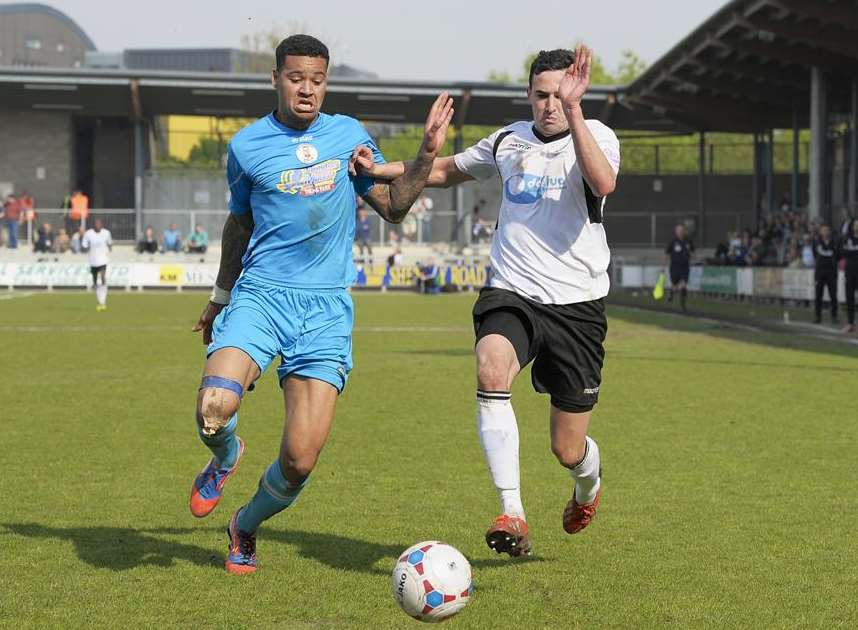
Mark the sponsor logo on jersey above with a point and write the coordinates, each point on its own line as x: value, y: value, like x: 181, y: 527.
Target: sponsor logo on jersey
x: 524, y: 188
x: 307, y: 153
x: 309, y: 181
x: 305, y: 138
x: 520, y: 146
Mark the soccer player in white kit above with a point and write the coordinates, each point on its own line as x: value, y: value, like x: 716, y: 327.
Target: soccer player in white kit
x: 545, y: 302
x: 98, y: 243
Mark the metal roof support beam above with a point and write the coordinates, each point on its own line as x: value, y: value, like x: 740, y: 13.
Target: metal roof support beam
x: 770, y: 170
x: 818, y: 141
x: 743, y: 90
x: 840, y: 13
x: 701, y: 189
x: 755, y: 71
x: 801, y: 55
x: 853, y: 152
x: 796, y: 134
x: 831, y: 39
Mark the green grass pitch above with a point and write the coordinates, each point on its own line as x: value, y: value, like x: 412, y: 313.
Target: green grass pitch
x: 730, y: 478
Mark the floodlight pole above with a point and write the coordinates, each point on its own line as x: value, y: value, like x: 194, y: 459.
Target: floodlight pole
x: 137, y: 117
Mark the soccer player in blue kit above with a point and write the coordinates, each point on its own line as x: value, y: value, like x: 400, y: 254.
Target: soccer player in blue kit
x: 281, y: 288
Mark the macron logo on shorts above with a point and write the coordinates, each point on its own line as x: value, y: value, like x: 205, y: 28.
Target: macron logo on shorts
x: 592, y: 391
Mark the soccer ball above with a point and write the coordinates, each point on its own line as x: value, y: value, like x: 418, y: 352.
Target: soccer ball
x: 432, y: 581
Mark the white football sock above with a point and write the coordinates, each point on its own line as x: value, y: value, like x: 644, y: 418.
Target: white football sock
x: 498, y: 431
x: 101, y: 294
x: 586, y: 474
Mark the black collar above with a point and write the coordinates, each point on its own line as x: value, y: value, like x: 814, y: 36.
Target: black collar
x: 547, y: 139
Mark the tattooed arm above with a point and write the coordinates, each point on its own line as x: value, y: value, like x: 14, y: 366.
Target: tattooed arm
x: 392, y: 201
x: 236, y: 236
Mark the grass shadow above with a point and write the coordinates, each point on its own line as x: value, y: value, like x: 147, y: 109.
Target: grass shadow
x: 343, y: 552
x: 122, y: 548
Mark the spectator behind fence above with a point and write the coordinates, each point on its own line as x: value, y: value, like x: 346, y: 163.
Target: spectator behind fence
x: 428, y: 280
x: 44, y: 240
x: 79, y: 210
x: 77, y: 240
x: 395, y: 258
x: 849, y: 249
x: 62, y: 242
x: 807, y: 259
x: 826, y: 251
x: 363, y: 232
x: 11, y: 217
x: 148, y: 244
x: 28, y: 210
x: 198, y: 241
x: 172, y: 241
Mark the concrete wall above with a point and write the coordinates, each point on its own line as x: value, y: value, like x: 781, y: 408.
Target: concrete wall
x: 36, y: 154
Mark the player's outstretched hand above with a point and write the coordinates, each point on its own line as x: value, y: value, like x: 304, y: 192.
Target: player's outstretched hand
x: 577, y: 78
x: 206, y: 321
x: 437, y: 122
x: 361, y: 162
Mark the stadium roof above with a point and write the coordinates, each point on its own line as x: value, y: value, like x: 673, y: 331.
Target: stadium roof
x: 747, y: 68
x: 38, y: 8
x: 157, y: 93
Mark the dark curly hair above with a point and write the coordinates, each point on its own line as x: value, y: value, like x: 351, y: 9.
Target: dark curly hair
x: 300, y: 46
x: 558, y: 59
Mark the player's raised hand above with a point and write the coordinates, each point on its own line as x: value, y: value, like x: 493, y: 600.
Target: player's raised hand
x: 361, y: 162
x: 206, y: 321
x: 577, y: 78
x: 437, y: 122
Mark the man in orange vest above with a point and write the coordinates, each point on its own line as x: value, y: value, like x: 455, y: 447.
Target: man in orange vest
x: 79, y: 210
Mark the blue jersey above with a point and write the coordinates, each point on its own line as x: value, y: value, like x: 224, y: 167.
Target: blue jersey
x: 297, y: 185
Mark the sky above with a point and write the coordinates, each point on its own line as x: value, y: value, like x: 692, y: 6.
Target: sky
x: 435, y: 40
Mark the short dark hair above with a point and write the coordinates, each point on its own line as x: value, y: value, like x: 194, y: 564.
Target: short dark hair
x: 300, y: 46
x: 558, y: 59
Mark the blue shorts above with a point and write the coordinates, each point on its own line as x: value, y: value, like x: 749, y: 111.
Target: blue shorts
x: 311, y: 329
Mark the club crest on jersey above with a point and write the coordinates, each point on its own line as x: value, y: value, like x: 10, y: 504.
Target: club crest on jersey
x: 307, y: 153
x: 524, y: 188
x: 309, y: 181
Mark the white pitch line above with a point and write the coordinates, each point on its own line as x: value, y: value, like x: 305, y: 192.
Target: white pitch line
x: 13, y: 296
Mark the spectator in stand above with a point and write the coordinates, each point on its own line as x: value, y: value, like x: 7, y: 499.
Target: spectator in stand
x: 845, y: 223
x: 198, y: 241
x: 148, y: 244
x: 44, y: 240
x: 172, y: 240
x: 480, y: 228
x: 363, y: 233
x: 793, y: 257
x: 757, y: 252
x: 77, y: 240
x: 807, y: 259
x: 63, y: 242
x: 826, y: 253
x: 12, y: 215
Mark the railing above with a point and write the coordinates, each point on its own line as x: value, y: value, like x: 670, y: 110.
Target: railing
x: 655, y: 229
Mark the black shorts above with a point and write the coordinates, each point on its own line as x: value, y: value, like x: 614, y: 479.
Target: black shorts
x: 95, y: 271
x: 679, y: 274
x: 564, y: 341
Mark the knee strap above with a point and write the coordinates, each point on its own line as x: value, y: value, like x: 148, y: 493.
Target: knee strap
x: 223, y: 383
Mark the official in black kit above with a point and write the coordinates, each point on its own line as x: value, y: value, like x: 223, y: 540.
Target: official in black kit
x: 678, y: 252
x: 849, y: 251
x: 826, y: 252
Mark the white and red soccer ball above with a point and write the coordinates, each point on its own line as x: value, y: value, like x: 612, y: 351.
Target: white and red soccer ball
x: 431, y: 581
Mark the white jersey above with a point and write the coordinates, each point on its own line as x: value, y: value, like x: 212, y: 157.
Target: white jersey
x: 98, y: 244
x: 550, y: 244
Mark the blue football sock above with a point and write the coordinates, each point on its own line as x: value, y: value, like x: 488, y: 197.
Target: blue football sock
x: 224, y: 443
x: 274, y: 495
